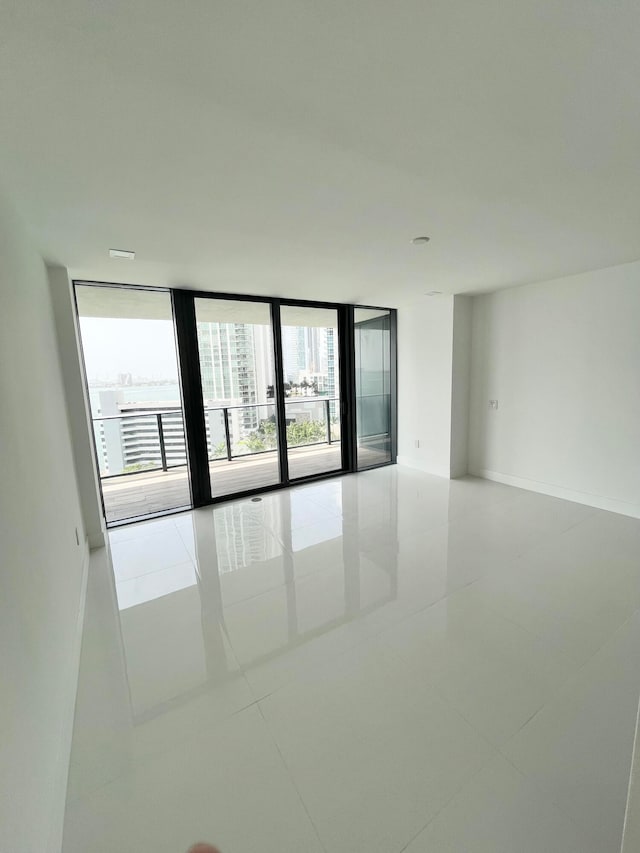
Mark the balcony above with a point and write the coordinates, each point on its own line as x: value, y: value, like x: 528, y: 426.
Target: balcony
x: 142, y: 455
x: 147, y: 492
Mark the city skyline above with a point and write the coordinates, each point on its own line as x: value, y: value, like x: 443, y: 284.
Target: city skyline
x: 143, y: 354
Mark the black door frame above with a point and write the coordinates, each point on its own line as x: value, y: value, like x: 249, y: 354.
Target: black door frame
x: 183, y: 306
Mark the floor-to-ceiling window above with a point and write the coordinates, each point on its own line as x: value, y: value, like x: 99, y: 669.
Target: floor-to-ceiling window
x: 132, y: 377
x: 199, y: 397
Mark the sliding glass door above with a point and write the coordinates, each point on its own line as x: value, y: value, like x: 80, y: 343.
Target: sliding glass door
x: 311, y: 382
x: 235, y: 347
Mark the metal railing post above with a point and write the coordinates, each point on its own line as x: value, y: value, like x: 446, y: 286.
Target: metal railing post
x: 328, y: 407
x: 163, y: 451
x: 227, y: 435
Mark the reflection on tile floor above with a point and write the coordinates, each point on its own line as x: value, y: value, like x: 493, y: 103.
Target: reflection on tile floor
x: 383, y: 662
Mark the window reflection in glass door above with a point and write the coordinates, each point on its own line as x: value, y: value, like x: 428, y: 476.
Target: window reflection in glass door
x: 373, y: 386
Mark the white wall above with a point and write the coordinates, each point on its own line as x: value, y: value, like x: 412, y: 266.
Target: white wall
x: 460, y: 382
x: 563, y: 360
x: 77, y: 404
x: 425, y: 340
x: 42, y: 567
x: 433, y: 384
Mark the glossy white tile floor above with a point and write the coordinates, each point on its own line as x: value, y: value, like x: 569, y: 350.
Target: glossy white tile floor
x: 378, y: 663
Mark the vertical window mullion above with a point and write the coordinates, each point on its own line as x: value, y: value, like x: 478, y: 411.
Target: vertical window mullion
x: 184, y: 317
x: 281, y: 415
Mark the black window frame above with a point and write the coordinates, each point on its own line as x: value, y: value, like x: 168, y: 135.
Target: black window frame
x: 183, y: 310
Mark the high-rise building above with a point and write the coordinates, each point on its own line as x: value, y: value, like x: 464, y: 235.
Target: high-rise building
x: 228, y: 369
x: 330, y: 341
x: 294, y: 354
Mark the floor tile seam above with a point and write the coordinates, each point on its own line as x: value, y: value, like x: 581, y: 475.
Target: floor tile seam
x: 436, y: 681
x: 292, y: 780
x: 127, y: 543
x: 480, y: 508
x: 375, y: 634
x: 281, y: 584
x: 409, y: 616
x: 146, y: 759
x: 231, y: 605
x: 332, y: 656
x: 176, y: 529
x: 561, y: 689
x: 611, y: 637
x: 280, y: 539
x: 427, y: 531
x: 578, y: 664
x: 128, y: 539
x: 169, y: 520
x: 434, y: 684
x: 385, y: 629
x: 542, y: 637
x: 546, y: 538
x: 184, y: 541
x: 550, y: 799
x: 449, y: 800
x: 188, y: 562
x: 553, y: 645
x: 551, y: 537
x: 323, y: 506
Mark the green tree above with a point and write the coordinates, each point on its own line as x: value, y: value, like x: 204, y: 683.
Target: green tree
x: 298, y: 433
x: 139, y: 466
x: 305, y: 432
x: 219, y: 451
x: 264, y: 438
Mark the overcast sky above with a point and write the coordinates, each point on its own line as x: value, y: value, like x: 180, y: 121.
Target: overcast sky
x: 140, y: 347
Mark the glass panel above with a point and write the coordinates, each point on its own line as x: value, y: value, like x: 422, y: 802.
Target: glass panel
x: 131, y: 369
x: 312, y: 389
x: 373, y: 388
x: 235, y: 343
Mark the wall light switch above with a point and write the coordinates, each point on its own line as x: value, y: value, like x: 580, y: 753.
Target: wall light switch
x: 417, y: 442
x: 493, y: 404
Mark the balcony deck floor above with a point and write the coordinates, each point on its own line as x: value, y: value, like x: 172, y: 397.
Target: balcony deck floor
x: 136, y: 495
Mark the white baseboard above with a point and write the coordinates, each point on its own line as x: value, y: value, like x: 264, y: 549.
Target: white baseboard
x: 410, y: 462
x: 66, y: 732
x: 597, y: 501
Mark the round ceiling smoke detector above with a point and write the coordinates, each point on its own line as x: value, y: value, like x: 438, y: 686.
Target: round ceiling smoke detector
x: 417, y: 241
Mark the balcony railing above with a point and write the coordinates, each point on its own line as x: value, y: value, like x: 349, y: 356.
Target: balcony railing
x: 154, y: 440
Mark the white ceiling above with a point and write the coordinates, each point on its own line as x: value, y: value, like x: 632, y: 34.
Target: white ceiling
x: 295, y: 147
